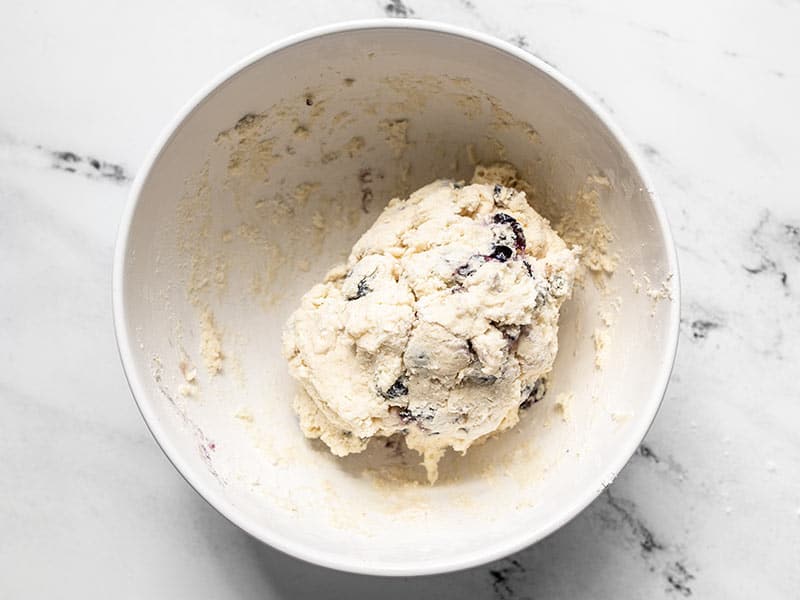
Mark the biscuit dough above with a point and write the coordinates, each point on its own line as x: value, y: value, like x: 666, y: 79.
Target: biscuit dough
x: 442, y: 324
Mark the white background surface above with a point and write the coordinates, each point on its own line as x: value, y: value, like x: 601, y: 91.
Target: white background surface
x: 710, y: 507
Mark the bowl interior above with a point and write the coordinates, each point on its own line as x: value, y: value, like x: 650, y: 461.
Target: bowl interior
x: 267, y: 183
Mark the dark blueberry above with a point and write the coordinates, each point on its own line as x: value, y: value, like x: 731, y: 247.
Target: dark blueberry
x: 362, y: 290
x: 533, y: 393
x: 519, y: 234
x: 528, y: 268
x: 498, y: 189
x: 397, y: 389
x: 503, y: 218
x: 457, y: 185
x: 501, y: 253
x: 309, y: 101
x: 405, y: 414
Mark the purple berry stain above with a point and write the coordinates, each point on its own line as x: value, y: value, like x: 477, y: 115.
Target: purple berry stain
x: 519, y: 235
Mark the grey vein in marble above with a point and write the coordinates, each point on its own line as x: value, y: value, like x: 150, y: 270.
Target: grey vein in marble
x: 88, y: 166
x: 397, y: 8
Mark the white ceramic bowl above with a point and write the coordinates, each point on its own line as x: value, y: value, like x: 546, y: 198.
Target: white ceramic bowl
x: 225, y: 231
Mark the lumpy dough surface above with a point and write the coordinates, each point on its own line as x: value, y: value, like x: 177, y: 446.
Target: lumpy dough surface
x: 440, y: 326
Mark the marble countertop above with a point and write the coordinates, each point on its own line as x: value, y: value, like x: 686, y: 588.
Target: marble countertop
x: 710, y: 505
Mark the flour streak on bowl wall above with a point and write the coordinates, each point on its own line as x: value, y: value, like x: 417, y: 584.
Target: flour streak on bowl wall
x: 266, y: 180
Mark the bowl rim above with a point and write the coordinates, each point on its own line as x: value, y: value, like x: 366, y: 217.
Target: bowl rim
x: 216, y: 496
